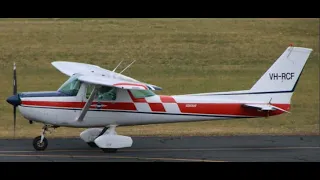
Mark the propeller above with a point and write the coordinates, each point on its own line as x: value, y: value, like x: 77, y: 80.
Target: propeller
x: 15, y: 100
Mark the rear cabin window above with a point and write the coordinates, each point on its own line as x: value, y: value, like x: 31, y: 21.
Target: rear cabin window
x: 141, y: 93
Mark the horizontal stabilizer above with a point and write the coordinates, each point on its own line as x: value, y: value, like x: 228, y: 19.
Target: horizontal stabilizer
x: 264, y: 107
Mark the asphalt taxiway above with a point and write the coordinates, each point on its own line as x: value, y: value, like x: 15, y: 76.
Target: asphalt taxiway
x: 173, y: 149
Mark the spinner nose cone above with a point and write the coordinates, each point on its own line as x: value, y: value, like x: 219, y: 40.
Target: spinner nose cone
x: 14, y: 100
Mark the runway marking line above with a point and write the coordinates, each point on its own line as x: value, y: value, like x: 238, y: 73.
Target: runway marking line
x: 185, y: 149
x: 138, y: 150
x: 107, y: 157
x: 222, y: 149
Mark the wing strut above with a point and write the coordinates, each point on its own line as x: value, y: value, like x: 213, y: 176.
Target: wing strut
x: 117, y: 66
x: 88, y: 104
x: 127, y: 67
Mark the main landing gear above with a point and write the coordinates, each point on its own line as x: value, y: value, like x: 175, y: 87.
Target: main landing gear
x: 106, y: 139
x: 92, y: 143
x: 40, y: 143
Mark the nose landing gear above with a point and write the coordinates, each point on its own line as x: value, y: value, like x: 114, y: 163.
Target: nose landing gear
x: 40, y: 143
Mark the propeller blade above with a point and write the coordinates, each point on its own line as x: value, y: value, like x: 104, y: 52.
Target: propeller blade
x: 14, y: 121
x: 15, y: 87
x: 14, y: 79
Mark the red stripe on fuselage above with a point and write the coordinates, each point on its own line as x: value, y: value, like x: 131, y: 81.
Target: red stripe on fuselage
x: 118, y: 106
x: 157, y: 107
x: 227, y: 109
x: 109, y: 105
x: 167, y: 99
x: 54, y: 104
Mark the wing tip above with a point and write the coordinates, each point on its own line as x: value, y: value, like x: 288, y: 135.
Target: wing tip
x: 153, y: 87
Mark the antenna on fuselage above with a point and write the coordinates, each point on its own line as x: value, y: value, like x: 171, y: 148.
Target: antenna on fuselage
x: 127, y: 67
x: 117, y: 66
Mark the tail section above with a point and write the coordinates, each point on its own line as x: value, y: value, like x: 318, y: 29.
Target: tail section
x: 277, y: 84
x: 284, y: 74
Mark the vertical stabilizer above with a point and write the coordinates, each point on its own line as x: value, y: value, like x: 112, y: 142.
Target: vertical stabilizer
x: 284, y: 74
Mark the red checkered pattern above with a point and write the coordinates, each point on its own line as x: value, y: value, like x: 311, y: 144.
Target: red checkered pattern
x: 159, y: 103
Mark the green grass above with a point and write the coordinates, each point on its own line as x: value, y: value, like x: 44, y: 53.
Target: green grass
x: 180, y: 55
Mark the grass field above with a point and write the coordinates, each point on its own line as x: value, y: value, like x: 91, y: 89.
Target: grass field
x: 180, y: 55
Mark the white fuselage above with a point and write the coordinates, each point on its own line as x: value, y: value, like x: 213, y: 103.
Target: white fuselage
x: 128, y: 110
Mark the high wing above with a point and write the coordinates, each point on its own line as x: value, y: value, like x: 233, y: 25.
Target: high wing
x: 264, y: 107
x: 100, y: 76
x: 106, y: 81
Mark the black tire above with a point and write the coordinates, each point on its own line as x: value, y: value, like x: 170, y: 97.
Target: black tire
x: 92, y: 144
x: 109, y: 150
x: 40, y: 146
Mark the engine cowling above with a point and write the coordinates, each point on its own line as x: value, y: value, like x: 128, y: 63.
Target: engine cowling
x: 113, y: 141
x: 89, y: 135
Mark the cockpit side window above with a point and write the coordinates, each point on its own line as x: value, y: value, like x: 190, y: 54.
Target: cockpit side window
x: 104, y: 93
x: 71, y: 86
x: 89, y: 90
x: 107, y: 93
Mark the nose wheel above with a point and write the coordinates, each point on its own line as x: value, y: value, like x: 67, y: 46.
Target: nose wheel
x: 40, y: 143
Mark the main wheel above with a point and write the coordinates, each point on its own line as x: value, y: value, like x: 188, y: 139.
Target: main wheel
x: 92, y: 144
x: 40, y: 146
x: 109, y: 150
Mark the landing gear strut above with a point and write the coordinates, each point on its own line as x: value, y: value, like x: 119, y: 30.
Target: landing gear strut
x: 92, y: 144
x: 40, y: 143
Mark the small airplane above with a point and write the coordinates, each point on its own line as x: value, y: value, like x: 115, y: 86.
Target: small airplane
x: 101, y: 100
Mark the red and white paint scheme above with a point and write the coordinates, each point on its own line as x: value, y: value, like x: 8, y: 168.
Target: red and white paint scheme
x: 101, y: 100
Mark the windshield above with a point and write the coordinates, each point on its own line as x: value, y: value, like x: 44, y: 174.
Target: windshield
x: 71, y: 86
x: 141, y: 93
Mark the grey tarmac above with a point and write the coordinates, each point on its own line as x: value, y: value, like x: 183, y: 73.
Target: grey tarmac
x: 171, y: 149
